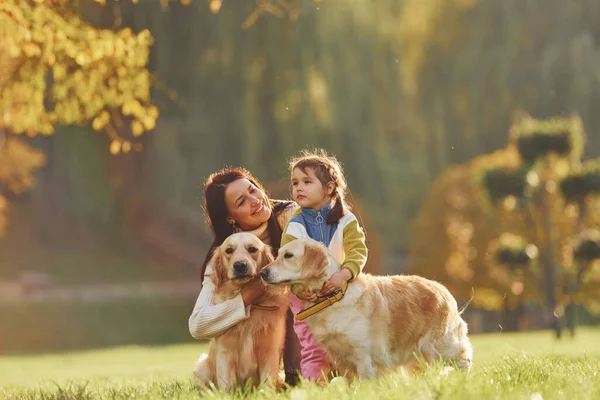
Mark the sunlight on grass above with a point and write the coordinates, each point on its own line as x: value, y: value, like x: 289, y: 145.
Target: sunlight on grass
x: 116, y: 365
x: 507, y: 366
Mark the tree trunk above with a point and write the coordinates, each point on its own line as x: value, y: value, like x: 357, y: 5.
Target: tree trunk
x: 510, y: 318
x: 571, y: 316
x: 549, y: 265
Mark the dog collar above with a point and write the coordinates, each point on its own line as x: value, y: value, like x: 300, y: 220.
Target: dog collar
x: 264, y: 308
x: 320, y: 305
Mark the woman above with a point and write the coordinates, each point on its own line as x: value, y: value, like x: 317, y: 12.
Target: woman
x: 235, y: 201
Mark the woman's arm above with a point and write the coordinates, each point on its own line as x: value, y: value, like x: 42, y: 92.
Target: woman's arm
x: 210, y: 320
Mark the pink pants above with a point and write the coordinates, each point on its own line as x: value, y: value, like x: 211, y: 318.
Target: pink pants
x: 314, y: 361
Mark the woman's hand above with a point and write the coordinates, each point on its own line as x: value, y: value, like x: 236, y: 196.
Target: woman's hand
x: 253, y: 291
x: 307, y: 295
x: 336, y: 281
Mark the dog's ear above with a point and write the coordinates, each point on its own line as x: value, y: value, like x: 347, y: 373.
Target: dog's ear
x: 217, y: 263
x: 315, y: 260
x: 267, y: 256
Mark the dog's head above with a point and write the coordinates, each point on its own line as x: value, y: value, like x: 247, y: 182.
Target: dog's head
x: 299, y: 261
x: 240, y: 258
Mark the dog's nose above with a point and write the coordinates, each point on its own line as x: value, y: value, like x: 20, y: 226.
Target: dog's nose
x: 240, y: 266
x: 264, y: 274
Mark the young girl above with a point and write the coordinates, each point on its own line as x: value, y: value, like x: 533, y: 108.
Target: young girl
x: 319, y: 188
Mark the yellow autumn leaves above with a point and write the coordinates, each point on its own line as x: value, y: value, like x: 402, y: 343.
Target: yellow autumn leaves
x: 64, y: 71
x: 18, y: 161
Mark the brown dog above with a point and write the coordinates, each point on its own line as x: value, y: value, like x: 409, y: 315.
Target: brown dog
x: 382, y: 322
x: 250, y: 350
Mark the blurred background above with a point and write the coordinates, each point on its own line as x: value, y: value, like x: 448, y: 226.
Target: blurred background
x: 467, y: 130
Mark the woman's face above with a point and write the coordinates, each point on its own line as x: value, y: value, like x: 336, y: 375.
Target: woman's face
x: 247, y: 205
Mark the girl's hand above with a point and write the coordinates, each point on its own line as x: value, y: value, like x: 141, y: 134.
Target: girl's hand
x: 253, y: 291
x: 336, y: 281
x: 307, y: 295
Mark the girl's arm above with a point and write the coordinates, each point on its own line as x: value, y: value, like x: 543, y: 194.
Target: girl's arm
x: 210, y: 320
x: 355, y: 248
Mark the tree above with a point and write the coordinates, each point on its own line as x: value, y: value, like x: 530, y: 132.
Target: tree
x: 451, y: 235
x: 468, y: 64
x: 581, y: 285
x: 514, y: 190
x: 59, y: 70
x: 17, y: 162
x: 65, y: 71
x: 549, y: 150
x: 580, y: 189
x: 515, y: 256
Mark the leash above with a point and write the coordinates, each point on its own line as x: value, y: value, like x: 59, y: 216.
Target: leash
x: 327, y: 300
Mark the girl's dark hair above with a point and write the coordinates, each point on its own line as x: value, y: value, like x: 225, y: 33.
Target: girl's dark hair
x: 327, y: 169
x: 216, y: 213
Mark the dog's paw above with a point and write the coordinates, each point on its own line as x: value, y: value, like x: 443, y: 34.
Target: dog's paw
x: 464, y: 364
x: 202, y: 372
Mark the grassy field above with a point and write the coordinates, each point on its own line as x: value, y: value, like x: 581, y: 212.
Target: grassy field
x: 530, y: 366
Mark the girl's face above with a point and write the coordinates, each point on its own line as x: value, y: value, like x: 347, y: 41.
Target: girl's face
x: 308, y: 191
x: 247, y: 205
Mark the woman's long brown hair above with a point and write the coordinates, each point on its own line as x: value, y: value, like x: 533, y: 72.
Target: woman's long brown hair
x: 216, y: 212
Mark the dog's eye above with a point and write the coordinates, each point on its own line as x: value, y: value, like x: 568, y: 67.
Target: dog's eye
x: 288, y: 255
x: 229, y: 250
x: 252, y: 249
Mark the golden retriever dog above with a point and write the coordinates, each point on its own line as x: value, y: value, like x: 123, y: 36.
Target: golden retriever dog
x: 252, y: 349
x: 382, y: 322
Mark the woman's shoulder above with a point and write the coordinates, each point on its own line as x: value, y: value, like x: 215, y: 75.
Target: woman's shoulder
x: 285, y: 210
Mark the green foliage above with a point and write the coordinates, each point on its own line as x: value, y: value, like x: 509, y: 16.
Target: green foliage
x: 513, y: 250
x: 582, y: 183
x: 506, y: 194
x: 18, y: 161
x: 456, y: 234
x: 501, y: 183
x: 512, y: 257
x: 468, y: 80
x: 55, y: 69
x: 537, y: 139
x: 81, y: 325
x: 538, y: 145
x: 338, y: 78
x: 587, y: 246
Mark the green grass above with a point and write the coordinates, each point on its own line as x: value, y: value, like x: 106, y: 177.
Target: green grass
x: 527, y: 366
x: 57, y: 326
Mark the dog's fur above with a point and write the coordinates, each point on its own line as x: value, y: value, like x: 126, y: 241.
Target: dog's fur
x: 250, y: 350
x: 382, y: 322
